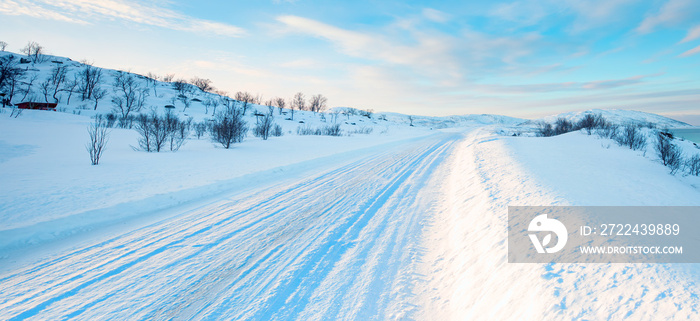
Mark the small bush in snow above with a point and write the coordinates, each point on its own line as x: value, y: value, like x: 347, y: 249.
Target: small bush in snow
x: 277, y: 131
x: 545, y: 129
x: 330, y: 130
x: 98, y: 140
x: 158, y: 132
x: 562, y: 126
x: 668, y: 152
x: 229, y: 127
x: 362, y: 130
x: 589, y: 122
x: 692, y: 164
x: 632, y: 137
x: 608, y: 130
x: 308, y: 130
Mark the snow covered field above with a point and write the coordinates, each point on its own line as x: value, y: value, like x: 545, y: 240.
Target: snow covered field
x: 405, y: 222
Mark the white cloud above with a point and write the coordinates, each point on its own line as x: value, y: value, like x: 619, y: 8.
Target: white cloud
x: 693, y: 33
x: 672, y: 13
x: 435, y: 15
x: 69, y: 10
x: 691, y: 52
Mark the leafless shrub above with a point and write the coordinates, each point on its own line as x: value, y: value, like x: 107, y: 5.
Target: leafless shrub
x: 99, y: 136
x: 608, y: 130
x: 632, y: 137
x: 229, y: 127
x: 160, y: 132
x: 362, y: 130
x: 668, y: 152
x: 200, y: 129
x: 330, y: 130
x: 263, y: 127
x: 562, y: 126
x: 545, y: 129
x: 692, y: 164
x: 589, y: 122
x: 277, y: 130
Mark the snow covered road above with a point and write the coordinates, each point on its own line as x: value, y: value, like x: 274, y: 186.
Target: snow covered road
x: 341, y: 244
x: 410, y: 230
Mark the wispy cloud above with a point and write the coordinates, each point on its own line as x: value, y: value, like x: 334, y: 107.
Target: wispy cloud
x: 427, y: 54
x: 693, y: 33
x: 672, y: 13
x: 691, y: 52
x: 435, y: 15
x: 27, y: 8
x: 583, y: 15
x: 85, y: 11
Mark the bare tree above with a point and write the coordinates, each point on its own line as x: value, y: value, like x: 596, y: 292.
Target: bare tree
x: 28, y: 89
x: 207, y: 103
x: 298, y: 102
x: 245, y: 99
x: 168, y: 77
x: 98, y: 140
x: 129, y: 96
x: 318, y: 103
x: 70, y: 86
x: 34, y: 51
x: 214, y: 104
x: 263, y: 127
x: 257, y: 99
x: 45, y: 89
x: 53, y: 84
x: 185, y: 102
x: 3, y: 45
x: 90, y: 77
x: 152, y: 79
x: 182, y: 87
x: 279, y: 103
x: 10, y: 76
x: 203, y: 84
x: 97, y: 95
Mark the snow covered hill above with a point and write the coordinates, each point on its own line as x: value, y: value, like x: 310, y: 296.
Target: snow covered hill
x: 616, y: 116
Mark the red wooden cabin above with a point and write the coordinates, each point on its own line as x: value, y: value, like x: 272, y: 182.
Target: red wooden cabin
x: 34, y: 105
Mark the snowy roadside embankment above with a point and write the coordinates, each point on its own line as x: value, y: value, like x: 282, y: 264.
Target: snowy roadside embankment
x: 467, y: 269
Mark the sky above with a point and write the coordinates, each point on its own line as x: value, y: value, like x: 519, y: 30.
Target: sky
x: 518, y: 58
